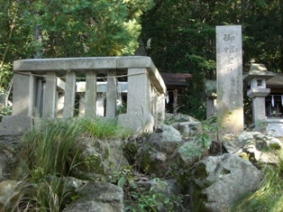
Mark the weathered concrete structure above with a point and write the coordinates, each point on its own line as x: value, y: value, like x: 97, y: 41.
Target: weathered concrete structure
x: 41, y: 84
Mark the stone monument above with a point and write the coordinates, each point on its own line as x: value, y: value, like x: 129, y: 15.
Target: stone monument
x: 229, y: 78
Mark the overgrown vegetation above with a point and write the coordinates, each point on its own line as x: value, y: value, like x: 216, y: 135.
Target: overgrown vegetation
x: 269, y: 197
x: 151, y: 197
x: 49, y: 153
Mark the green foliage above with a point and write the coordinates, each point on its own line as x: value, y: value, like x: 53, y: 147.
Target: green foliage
x: 48, y: 194
x: 194, y: 102
x: 141, y: 199
x: 47, y: 147
x: 69, y: 28
x: 76, y: 27
x: 5, y: 111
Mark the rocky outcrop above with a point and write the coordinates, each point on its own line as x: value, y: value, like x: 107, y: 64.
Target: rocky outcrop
x: 165, y: 149
x: 254, y: 146
x: 218, y: 181
x: 106, y: 174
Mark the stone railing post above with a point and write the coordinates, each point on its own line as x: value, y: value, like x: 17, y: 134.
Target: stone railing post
x: 70, y: 90
x: 50, y: 98
x: 90, y: 94
x: 23, y: 94
x: 111, y: 94
x: 138, y: 98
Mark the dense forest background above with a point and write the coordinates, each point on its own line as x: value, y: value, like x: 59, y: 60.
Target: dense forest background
x: 179, y: 35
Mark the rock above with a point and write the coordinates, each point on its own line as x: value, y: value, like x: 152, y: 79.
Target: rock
x: 255, y: 146
x: 9, y: 148
x: 187, y: 125
x: 218, y: 181
x: 3, y: 161
x: 165, y: 139
x: 98, y: 197
x: 156, y: 153
x: 165, y: 150
x: 98, y: 159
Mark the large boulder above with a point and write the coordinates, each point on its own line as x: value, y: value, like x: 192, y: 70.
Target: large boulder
x: 218, y: 181
x: 97, y: 159
x: 98, y: 197
x: 155, y: 154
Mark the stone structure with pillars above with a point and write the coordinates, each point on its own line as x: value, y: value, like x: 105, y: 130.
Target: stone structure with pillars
x: 256, y: 79
x: 145, y: 92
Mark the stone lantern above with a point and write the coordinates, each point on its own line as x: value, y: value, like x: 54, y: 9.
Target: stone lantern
x: 256, y: 78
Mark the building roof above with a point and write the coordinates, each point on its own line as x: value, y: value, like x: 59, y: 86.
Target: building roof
x: 176, y: 79
x: 276, y: 81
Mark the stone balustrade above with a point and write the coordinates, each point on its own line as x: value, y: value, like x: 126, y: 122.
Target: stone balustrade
x: 40, y: 84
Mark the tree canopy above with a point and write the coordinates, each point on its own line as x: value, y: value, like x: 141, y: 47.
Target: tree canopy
x: 68, y: 28
x: 179, y: 34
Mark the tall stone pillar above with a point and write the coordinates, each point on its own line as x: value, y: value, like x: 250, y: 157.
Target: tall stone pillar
x: 229, y: 79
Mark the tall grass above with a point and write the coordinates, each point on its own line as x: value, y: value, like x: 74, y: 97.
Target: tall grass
x: 268, y: 198
x: 46, y: 154
x: 47, y: 147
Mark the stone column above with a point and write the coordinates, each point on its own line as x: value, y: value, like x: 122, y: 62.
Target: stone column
x: 258, y: 97
x: 70, y: 94
x: 49, y: 105
x: 111, y: 94
x: 138, y: 117
x: 90, y: 94
x: 175, y: 100
x: 39, y: 96
x: 100, y: 105
x: 160, y: 108
x: 60, y: 104
x: 23, y: 94
x: 138, y: 90
x: 211, y: 105
x: 229, y: 79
